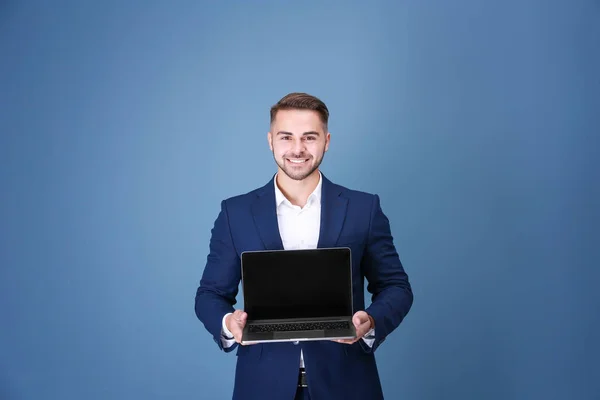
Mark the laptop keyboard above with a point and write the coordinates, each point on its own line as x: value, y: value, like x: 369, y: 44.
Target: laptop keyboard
x: 298, y: 326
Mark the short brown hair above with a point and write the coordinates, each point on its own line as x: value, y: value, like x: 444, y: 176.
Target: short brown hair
x: 301, y: 101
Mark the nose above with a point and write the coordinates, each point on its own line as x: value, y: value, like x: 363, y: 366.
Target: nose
x: 298, y: 146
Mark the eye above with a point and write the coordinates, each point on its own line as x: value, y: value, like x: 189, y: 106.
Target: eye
x: 311, y: 138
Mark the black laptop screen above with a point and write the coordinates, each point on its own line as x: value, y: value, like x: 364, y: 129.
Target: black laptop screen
x: 297, y: 284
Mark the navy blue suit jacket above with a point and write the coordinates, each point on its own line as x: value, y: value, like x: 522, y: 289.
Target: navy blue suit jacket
x: 334, y: 370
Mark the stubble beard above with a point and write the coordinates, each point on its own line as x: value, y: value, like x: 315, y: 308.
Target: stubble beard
x: 297, y: 176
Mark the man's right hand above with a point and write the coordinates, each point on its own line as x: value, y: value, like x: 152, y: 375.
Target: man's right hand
x: 235, y: 324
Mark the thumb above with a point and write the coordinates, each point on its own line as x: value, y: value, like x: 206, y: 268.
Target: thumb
x: 357, y: 320
x: 239, y: 314
x: 237, y: 318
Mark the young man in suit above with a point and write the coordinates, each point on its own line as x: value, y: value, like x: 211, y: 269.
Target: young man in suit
x: 300, y: 208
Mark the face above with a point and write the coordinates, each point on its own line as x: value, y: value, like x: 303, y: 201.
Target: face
x: 298, y: 141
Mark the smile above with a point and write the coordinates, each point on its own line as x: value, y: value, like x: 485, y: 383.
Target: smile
x: 297, y: 161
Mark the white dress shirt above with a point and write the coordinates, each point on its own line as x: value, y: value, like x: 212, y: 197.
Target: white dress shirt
x: 299, y: 229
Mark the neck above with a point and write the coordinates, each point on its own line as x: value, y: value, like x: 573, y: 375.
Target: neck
x: 297, y: 192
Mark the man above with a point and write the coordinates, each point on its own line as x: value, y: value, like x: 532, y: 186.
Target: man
x: 300, y: 208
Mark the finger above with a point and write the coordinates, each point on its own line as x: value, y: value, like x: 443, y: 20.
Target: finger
x: 363, y: 329
x: 239, y: 318
x: 365, y: 325
x: 345, y: 341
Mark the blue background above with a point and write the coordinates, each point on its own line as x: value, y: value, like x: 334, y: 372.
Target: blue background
x: 123, y: 126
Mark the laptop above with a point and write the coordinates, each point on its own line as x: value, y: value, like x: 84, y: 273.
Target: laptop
x: 297, y: 295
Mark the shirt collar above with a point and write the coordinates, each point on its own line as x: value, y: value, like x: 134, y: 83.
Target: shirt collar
x: 315, y: 196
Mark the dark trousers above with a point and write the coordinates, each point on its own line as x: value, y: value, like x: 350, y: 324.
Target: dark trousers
x: 302, y: 394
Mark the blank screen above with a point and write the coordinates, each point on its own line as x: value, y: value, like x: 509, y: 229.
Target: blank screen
x: 297, y: 283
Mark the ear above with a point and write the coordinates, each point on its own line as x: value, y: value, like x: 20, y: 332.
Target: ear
x: 327, y: 140
x: 270, y: 140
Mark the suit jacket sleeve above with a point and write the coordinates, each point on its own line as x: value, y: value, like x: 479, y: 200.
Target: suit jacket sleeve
x: 388, y: 283
x: 220, y: 280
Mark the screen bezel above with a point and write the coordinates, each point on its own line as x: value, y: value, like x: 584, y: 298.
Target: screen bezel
x: 348, y: 312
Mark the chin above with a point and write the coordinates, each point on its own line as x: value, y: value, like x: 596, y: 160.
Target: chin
x: 299, y: 176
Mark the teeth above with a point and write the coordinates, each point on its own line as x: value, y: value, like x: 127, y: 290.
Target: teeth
x: 297, y: 161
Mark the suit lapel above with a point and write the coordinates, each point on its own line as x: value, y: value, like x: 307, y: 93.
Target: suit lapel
x: 264, y: 212
x: 333, y: 213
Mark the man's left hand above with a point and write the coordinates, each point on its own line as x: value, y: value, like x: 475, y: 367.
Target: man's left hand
x: 362, y: 323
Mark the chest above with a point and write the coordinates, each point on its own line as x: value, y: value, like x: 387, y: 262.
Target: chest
x: 299, y: 228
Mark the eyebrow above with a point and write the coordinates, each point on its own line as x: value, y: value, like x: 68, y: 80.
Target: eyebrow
x: 304, y: 134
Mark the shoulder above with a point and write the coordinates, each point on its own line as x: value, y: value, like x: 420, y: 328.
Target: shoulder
x: 242, y: 199
x: 355, y: 194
